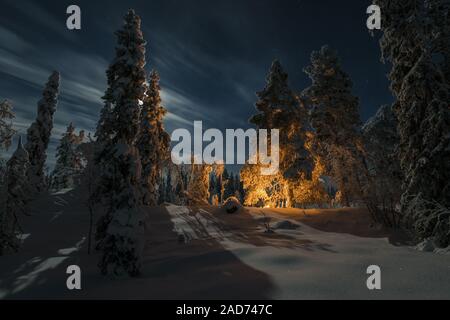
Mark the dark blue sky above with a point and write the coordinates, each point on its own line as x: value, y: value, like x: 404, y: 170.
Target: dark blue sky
x: 212, y: 55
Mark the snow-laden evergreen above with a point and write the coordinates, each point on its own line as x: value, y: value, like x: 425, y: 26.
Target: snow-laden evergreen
x: 170, y: 185
x: 14, y: 199
x: 121, y: 228
x: 219, y: 171
x: 153, y: 141
x: 179, y: 183
x: 38, y: 135
x: 198, y: 185
x: 381, y: 140
x: 6, y: 126
x: 279, y: 108
x: 335, y: 119
x: 69, y: 160
x: 383, y: 187
x: 416, y: 41
x: 105, y: 124
x: 123, y: 223
x: 6, y: 133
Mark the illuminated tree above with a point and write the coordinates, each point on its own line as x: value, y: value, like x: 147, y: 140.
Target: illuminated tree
x: 311, y: 192
x: 198, y: 185
x: 279, y: 108
x: 153, y: 141
x: 264, y: 190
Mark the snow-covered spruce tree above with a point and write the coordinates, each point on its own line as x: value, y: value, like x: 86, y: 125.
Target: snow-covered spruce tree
x: 6, y: 125
x: 89, y: 178
x: 38, y: 135
x: 120, y: 231
x: 312, y: 193
x: 416, y: 41
x: 336, y: 122
x: 179, y: 191
x: 104, y: 135
x: 6, y: 133
x: 279, y: 108
x: 69, y: 160
x: 171, y: 184
x: 104, y: 131
x: 16, y: 197
x: 219, y: 170
x: 153, y: 141
x: 198, y: 185
x: 381, y: 140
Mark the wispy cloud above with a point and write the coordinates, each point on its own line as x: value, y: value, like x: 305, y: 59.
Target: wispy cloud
x: 35, y: 13
x: 14, y: 41
x: 172, y: 119
x: 185, y: 70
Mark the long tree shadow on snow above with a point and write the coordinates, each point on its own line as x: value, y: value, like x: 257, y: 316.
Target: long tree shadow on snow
x: 38, y: 270
x: 198, y: 269
x: 243, y: 227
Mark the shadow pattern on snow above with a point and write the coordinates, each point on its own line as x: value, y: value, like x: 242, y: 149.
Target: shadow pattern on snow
x: 200, y: 268
x: 213, y: 222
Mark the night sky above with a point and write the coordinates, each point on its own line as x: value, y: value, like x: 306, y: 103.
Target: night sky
x: 212, y: 55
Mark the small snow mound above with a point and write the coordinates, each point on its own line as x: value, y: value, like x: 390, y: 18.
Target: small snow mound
x: 231, y: 205
x: 286, y: 225
x: 426, y: 246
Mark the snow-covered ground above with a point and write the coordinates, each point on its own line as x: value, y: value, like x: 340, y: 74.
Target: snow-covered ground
x: 307, y: 263
x: 194, y: 253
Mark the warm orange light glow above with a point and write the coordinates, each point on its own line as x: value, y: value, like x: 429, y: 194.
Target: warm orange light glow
x: 276, y: 191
